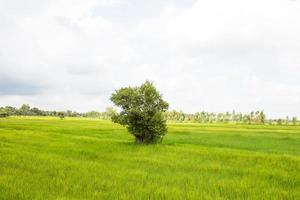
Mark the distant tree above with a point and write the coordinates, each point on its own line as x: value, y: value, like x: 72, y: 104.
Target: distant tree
x: 295, y: 121
x: 10, y: 110
x: 61, y: 115
x: 93, y: 114
x: 261, y: 117
x: 220, y: 117
x: 24, y: 109
x: 69, y: 113
x: 287, y: 120
x: 3, y: 113
x: 142, y: 112
x: 251, y: 117
x: 110, y: 112
x: 36, y: 111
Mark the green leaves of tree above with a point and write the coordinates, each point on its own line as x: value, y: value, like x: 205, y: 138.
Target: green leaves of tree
x: 142, y: 112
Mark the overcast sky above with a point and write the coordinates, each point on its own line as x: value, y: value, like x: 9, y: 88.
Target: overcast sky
x: 212, y: 55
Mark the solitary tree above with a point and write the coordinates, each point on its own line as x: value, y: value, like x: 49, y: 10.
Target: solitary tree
x: 141, y: 112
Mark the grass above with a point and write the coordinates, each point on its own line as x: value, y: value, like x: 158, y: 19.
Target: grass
x: 49, y: 158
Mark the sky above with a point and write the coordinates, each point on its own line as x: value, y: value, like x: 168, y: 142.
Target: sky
x: 211, y: 55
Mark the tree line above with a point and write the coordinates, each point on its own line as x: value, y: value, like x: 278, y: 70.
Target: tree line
x: 26, y: 110
x: 257, y: 117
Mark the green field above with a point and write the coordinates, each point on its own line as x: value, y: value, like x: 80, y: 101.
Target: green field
x: 49, y: 158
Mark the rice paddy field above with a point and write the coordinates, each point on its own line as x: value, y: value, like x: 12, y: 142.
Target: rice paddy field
x: 48, y: 158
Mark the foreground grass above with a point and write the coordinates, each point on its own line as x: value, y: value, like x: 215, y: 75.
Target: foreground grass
x: 48, y: 158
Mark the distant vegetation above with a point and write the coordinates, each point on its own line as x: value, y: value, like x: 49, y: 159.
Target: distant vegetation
x: 26, y: 110
x: 255, y: 117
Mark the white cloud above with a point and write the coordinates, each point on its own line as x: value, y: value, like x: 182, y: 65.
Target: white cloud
x: 203, y: 55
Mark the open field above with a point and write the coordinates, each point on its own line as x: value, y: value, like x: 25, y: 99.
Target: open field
x: 48, y: 158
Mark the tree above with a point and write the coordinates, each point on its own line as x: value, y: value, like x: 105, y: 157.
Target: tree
x: 36, y: 111
x: 3, y: 113
x: 93, y: 114
x: 287, y: 120
x: 24, y: 109
x: 61, y: 115
x: 294, y: 120
x: 110, y: 112
x: 279, y: 121
x: 261, y: 117
x: 141, y: 112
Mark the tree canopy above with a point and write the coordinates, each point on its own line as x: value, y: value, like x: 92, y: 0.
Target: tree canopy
x: 141, y: 112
